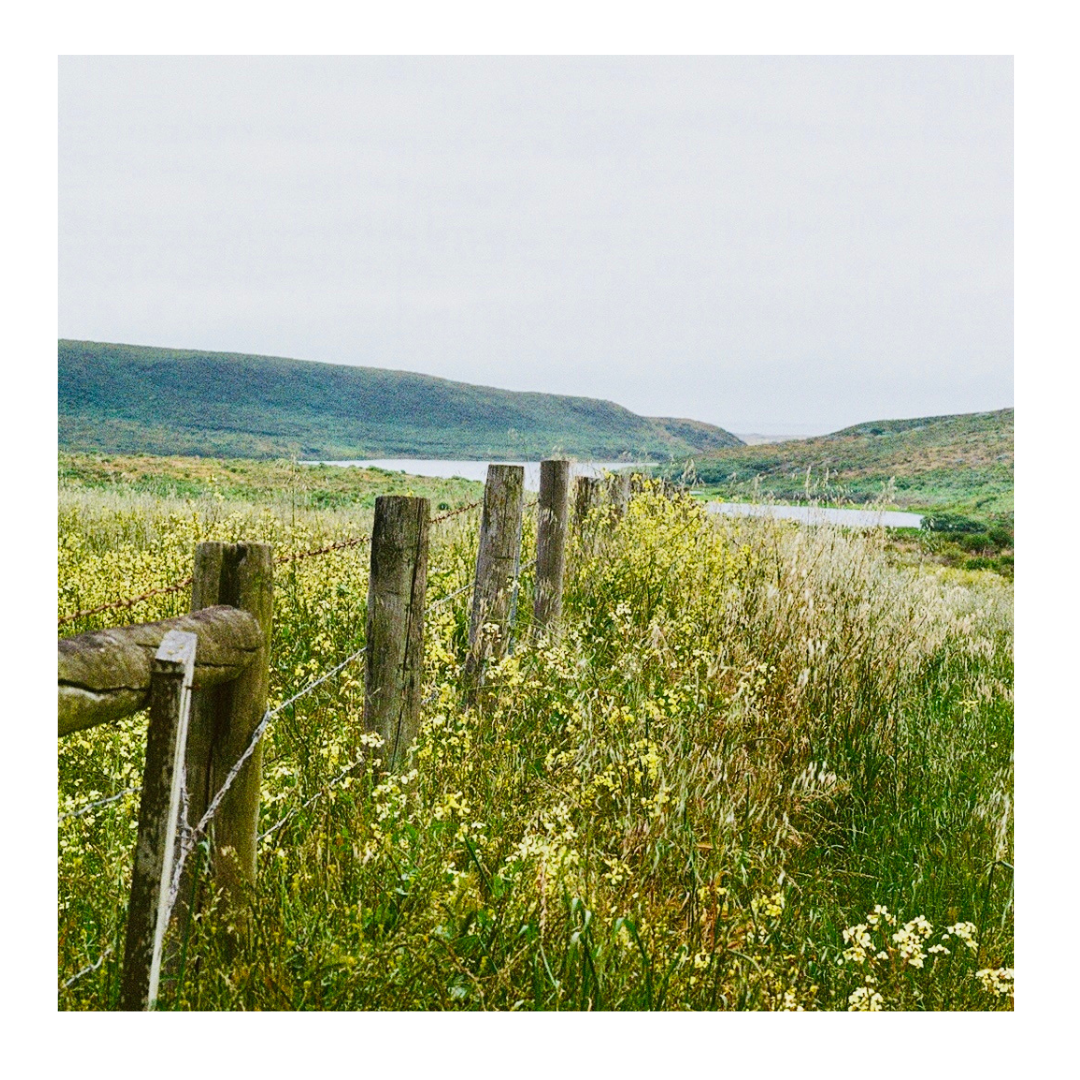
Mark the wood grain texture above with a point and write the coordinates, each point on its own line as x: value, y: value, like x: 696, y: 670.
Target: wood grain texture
x: 497, y: 562
x: 397, y: 590
x: 224, y: 717
x: 171, y: 676
x: 553, y: 511
x: 105, y: 675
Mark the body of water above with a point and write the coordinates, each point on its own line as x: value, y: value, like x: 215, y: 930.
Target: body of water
x: 477, y: 470
x: 820, y: 515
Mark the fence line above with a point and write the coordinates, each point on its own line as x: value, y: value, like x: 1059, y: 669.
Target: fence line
x: 190, y: 837
x: 178, y: 586
x: 187, y: 836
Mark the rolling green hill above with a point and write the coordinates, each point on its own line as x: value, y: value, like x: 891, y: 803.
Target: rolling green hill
x: 963, y: 462
x: 134, y: 399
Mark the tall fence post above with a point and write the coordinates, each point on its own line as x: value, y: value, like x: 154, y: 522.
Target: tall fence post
x: 225, y: 717
x: 497, y: 564
x: 394, y: 658
x: 552, y: 514
x: 171, y: 675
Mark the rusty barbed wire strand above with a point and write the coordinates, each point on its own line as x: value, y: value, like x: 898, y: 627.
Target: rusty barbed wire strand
x: 281, y: 560
x: 454, y: 513
x: 339, y: 545
x: 131, y: 601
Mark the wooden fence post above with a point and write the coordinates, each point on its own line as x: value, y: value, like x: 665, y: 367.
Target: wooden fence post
x: 497, y: 564
x: 224, y: 718
x: 586, y: 496
x: 618, y: 487
x: 397, y: 588
x: 552, y: 514
x: 151, y: 876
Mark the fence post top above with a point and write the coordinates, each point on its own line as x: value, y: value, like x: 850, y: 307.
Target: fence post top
x: 177, y: 647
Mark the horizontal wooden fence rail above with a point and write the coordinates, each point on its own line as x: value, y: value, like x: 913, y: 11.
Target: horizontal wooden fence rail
x: 105, y: 675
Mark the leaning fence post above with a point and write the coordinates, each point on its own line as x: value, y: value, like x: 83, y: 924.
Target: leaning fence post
x: 225, y: 717
x: 552, y: 514
x: 394, y: 655
x: 497, y: 563
x: 151, y: 876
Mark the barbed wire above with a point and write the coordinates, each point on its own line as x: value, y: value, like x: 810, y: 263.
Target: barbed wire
x: 446, y: 599
x: 318, y: 795
x: 89, y: 967
x: 189, y: 836
x: 339, y: 545
x: 296, y: 556
x: 131, y: 601
x: 100, y: 802
x: 454, y: 513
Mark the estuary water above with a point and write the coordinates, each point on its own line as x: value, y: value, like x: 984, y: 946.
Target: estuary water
x: 820, y: 515
x: 477, y: 470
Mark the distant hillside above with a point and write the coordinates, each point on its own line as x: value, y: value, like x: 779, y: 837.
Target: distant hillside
x: 964, y: 461
x: 134, y: 399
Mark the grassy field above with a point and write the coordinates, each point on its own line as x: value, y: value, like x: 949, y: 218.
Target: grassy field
x: 764, y: 767
x: 134, y: 400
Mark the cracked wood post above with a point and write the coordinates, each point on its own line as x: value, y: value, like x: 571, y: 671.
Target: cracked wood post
x: 552, y: 514
x: 104, y: 675
x: 497, y: 562
x: 224, y: 717
x: 394, y: 657
x: 171, y: 675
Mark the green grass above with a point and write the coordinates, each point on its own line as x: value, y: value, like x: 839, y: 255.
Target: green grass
x: 748, y: 735
x: 139, y: 400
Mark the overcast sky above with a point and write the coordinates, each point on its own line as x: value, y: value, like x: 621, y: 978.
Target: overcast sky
x: 774, y: 245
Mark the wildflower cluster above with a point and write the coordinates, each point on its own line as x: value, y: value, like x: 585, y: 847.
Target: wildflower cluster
x: 885, y: 951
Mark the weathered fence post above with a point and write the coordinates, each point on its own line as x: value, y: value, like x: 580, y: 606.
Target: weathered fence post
x: 394, y: 659
x: 497, y: 563
x: 224, y: 718
x: 552, y: 514
x: 618, y: 487
x: 586, y: 496
x: 151, y: 876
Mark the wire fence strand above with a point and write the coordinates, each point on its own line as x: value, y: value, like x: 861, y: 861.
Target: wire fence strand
x: 281, y: 560
x: 89, y: 967
x: 318, y: 795
x: 190, y: 837
x: 100, y: 802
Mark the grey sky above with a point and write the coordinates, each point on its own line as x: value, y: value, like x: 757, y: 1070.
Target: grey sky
x: 769, y: 244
